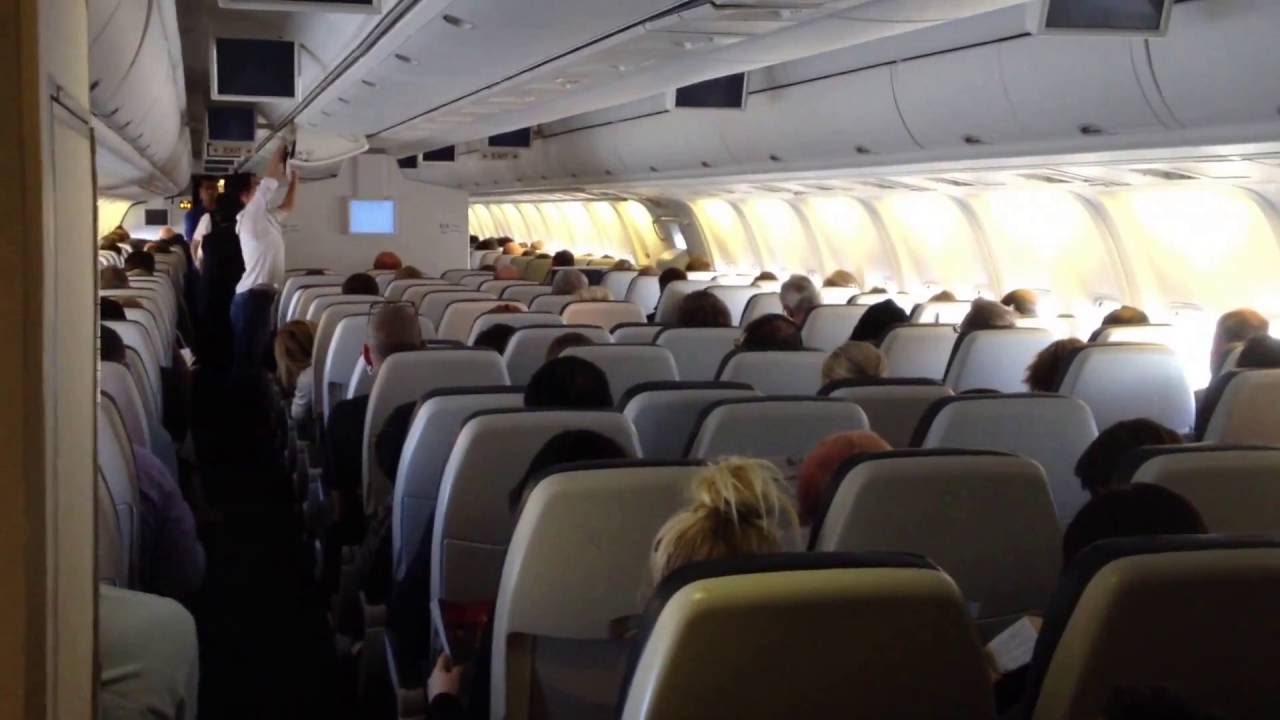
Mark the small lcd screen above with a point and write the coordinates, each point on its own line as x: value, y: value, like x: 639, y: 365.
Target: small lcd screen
x: 514, y: 139
x: 255, y: 68
x: 444, y: 154
x: 371, y: 217
x: 157, y: 217
x: 231, y: 123
x: 729, y: 92
x: 1105, y: 14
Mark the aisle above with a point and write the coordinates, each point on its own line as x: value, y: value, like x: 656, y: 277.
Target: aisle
x: 266, y: 650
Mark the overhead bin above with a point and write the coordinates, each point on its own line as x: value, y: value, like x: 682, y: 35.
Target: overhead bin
x: 955, y: 99
x: 849, y: 115
x: 1217, y: 66
x: 650, y: 144
x: 1079, y: 86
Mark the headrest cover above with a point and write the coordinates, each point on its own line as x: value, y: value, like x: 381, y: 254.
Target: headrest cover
x: 926, y: 420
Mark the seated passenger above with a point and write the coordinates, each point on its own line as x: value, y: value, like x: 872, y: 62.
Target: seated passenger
x: 877, y: 321
x: 623, y: 264
x: 157, y: 248
x: 293, y: 348
x: 594, y: 293
x: 109, y: 309
x: 1233, y: 329
x: 495, y: 337
x: 360, y: 284
x: 563, y: 342
x: 1126, y: 315
x: 697, y: 263
x: 840, y: 279
x: 702, y: 309
x: 568, y: 282
x: 171, y: 559
x: 512, y: 248
x: 986, y: 315
x: 488, y: 244
x: 819, y: 466
x: 943, y: 296
x: 854, y: 360
x: 1260, y: 352
x: 536, y: 246
x: 772, y: 332
x: 1021, y: 301
x: 408, y: 272
x: 739, y: 507
x: 113, y: 278
x: 669, y: 276
x: 1130, y: 511
x: 1101, y: 461
x: 1043, y: 372
x: 799, y: 296
x: 140, y: 263
x: 387, y: 260
x: 568, y: 382
x: 764, y: 277
x: 148, y: 656
x: 569, y: 446
x: 506, y: 272
x: 564, y: 258
x: 648, y: 271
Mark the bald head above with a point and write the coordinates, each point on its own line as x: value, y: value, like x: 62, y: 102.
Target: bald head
x: 167, y: 233
x: 393, y: 328
x: 1234, y: 328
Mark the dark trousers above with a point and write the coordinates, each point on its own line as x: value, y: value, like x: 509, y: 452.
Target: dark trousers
x: 251, y: 330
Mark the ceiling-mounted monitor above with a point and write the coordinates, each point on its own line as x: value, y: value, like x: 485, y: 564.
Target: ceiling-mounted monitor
x: 722, y: 93
x: 230, y: 123
x: 156, y: 216
x: 371, y: 216
x: 408, y: 162
x: 253, y: 70
x: 1133, y: 18
x: 521, y: 138
x: 444, y: 154
x: 328, y: 6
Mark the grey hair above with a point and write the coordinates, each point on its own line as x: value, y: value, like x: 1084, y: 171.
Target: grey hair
x: 799, y: 294
x: 568, y: 282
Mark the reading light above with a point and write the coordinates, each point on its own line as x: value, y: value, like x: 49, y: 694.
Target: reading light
x: 405, y: 59
x: 368, y: 83
x: 458, y: 22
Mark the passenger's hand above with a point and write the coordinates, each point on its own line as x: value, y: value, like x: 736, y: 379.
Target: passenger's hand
x: 445, y: 678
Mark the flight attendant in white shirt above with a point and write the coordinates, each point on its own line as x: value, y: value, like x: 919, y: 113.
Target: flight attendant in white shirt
x: 262, y: 245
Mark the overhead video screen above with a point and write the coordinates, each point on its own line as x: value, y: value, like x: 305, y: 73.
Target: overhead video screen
x: 253, y: 69
x: 371, y: 217
x: 726, y: 93
x: 1106, y: 16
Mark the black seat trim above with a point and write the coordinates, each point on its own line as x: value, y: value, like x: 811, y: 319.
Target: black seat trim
x: 675, y: 385
x: 877, y: 382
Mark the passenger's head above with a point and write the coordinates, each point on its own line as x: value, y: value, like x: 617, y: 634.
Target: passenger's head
x: 568, y: 282
x: 408, y: 272
x: 1233, y: 328
x: 294, y: 343
x: 108, y: 243
x: 1131, y: 511
x: 648, y: 271
x: 943, y: 296
x: 506, y: 272
x: 569, y: 446
x: 111, y: 348
x: 563, y: 342
x: 623, y: 264
x: 393, y: 328
x: 568, y: 382
x: 246, y: 187
x: 764, y: 277
x: 1044, y: 371
x: 495, y: 337
x: 799, y: 296
x: 877, y: 321
x: 113, y: 278
x: 987, y: 315
x: 854, y: 360
x: 512, y: 248
x: 1125, y: 315
x: 536, y: 246
x: 207, y: 192
x: 360, y: 284
x: 771, y: 332
x: 1260, y: 351
x: 1021, y: 301
x: 697, y: 263
x: 594, y: 293
x: 564, y: 258
x: 702, y: 309
x: 487, y: 244
x: 822, y: 462
x: 167, y: 233
x: 738, y: 508
x: 109, y: 309
x: 669, y: 276
x: 140, y: 262
x: 387, y: 260
x: 841, y: 279
x: 1100, y: 463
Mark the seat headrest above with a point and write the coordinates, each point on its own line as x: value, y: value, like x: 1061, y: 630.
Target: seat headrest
x: 843, y: 470
x: 930, y: 415
x: 835, y: 385
x: 1131, y: 330
x: 619, y: 464
x: 729, y: 402
x: 1133, y: 460
x: 676, y: 385
x: 1091, y: 347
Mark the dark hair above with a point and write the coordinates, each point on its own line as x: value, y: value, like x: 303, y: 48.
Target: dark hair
x: 568, y: 382
x: 670, y: 275
x: 766, y: 275
x: 1022, y: 301
x: 1130, y: 511
x: 1045, y: 370
x: 495, y: 337
x: 563, y: 342
x: 702, y: 309
x: 566, y: 447
x: 112, y: 348
x: 1125, y: 315
x: 564, y: 258
x: 360, y: 284
x: 771, y: 332
x: 877, y: 321
x: 1099, y: 462
x: 1260, y: 351
x: 140, y: 260
x: 109, y: 309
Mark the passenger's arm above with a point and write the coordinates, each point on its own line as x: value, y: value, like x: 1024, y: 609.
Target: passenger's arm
x: 286, y: 205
